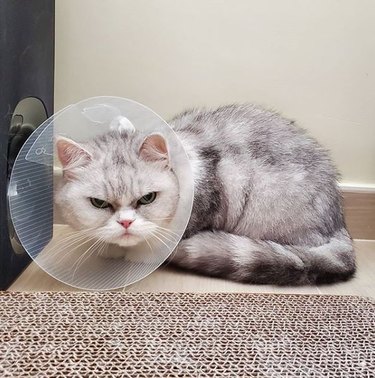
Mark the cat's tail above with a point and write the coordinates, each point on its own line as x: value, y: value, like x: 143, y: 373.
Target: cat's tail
x: 242, y: 259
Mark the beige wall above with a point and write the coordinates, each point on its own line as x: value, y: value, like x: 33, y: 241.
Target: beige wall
x: 312, y: 60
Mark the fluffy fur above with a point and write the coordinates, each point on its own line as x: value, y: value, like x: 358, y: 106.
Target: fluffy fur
x: 266, y: 209
x: 120, y: 168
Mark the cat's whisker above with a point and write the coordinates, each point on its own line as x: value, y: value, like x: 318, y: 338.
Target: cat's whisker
x: 75, y: 231
x: 161, y: 228
x: 167, y: 237
x: 145, y: 239
x: 96, y: 247
x: 154, y: 241
x: 149, y: 245
x: 174, y: 238
x: 80, y: 261
x: 82, y: 256
x: 165, y: 233
x: 157, y: 237
x: 103, y: 249
x: 67, y: 255
x: 168, y: 230
x: 67, y: 236
x: 62, y: 244
x: 170, y: 257
x: 152, y: 232
x: 172, y: 253
x: 72, y: 233
x: 70, y: 252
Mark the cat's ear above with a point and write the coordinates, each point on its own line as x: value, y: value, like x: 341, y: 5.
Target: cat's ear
x: 71, y: 154
x: 154, y: 148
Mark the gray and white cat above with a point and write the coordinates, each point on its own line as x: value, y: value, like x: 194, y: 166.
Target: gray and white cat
x: 266, y: 210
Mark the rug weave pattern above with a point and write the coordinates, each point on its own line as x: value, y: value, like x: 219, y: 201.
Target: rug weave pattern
x: 177, y: 335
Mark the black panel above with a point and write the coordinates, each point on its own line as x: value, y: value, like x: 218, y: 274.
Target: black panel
x: 26, y: 70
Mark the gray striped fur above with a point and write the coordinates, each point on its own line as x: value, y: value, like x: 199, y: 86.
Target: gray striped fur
x: 267, y: 208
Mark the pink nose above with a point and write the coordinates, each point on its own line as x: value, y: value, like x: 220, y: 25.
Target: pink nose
x: 126, y: 223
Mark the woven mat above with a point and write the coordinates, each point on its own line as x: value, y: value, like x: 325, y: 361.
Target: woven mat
x: 177, y: 335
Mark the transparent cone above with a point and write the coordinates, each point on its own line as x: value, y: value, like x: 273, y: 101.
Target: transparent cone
x: 76, y: 257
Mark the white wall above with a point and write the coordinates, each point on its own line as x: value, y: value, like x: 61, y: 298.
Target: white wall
x: 312, y: 60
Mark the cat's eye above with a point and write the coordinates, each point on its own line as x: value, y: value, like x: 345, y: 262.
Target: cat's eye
x: 100, y: 204
x: 147, y: 199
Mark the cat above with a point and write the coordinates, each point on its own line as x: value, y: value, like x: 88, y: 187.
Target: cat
x: 267, y: 209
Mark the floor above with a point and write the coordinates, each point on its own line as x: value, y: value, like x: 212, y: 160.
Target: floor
x: 168, y: 280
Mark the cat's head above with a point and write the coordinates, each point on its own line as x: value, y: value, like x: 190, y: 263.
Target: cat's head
x: 120, y: 186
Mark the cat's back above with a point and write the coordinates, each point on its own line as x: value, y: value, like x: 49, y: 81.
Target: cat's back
x: 247, y: 129
x: 244, y: 153
x: 234, y: 123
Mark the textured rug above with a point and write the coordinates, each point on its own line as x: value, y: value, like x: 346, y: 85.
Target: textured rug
x: 179, y: 335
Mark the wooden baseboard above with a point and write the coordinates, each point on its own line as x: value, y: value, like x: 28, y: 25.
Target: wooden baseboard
x: 359, y: 209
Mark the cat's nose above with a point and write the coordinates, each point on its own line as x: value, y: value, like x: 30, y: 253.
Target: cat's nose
x: 126, y: 223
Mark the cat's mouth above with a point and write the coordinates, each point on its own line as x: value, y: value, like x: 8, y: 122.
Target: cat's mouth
x: 127, y: 235
x: 128, y: 239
